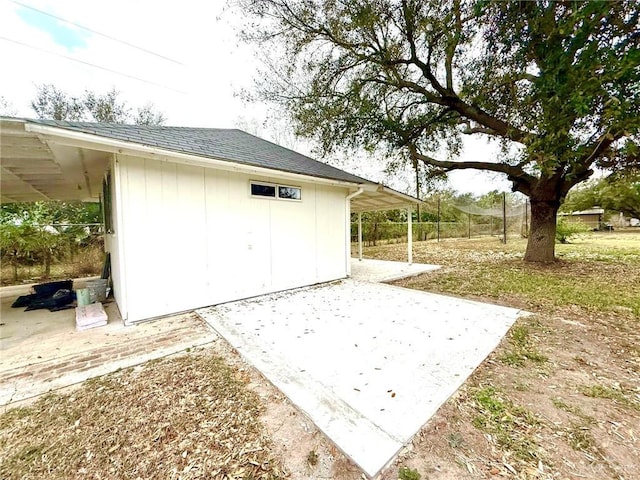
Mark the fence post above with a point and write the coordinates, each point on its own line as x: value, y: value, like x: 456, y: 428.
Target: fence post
x: 504, y: 218
x: 469, y: 219
x: 438, y: 224
x: 409, y: 238
x: 360, y: 236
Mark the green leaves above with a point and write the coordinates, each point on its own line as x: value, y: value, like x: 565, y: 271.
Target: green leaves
x: 42, y: 231
x: 552, y: 76
x: 556, y: 83
x: 616, y: 193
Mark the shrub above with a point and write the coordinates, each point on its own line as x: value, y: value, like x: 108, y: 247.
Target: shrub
x: 566, y: 230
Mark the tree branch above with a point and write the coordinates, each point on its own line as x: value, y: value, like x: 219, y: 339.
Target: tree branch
x: 472, y: 130
x: 450, y: 98
x: 451, y: 47
x: 425, y: 68
x: 522, y: 181
x: 600, y: 146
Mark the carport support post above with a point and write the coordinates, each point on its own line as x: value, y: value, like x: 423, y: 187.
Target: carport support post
x: 409, y: 238
x: 360, y: 236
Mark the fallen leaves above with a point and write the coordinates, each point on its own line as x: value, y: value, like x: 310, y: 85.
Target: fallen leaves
x: 184, y: 418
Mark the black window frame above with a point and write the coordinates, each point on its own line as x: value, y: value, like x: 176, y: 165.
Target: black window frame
x: 254, y: 192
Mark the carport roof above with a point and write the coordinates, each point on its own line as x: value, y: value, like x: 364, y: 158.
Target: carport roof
x: 27, y: 147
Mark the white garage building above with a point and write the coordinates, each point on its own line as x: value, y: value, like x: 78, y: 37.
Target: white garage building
x: 194, y: 216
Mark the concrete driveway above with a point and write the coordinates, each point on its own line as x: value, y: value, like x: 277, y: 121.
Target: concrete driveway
x: 369, y: 363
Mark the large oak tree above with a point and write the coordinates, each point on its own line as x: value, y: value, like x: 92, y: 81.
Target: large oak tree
x: 557, y: 83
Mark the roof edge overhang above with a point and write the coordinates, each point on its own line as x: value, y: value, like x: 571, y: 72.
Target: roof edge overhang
x: 378, y: 197
x: 408, y: 198
x: 66, y: 137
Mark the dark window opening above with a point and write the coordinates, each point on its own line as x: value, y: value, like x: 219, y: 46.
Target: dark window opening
x: 261, y: 190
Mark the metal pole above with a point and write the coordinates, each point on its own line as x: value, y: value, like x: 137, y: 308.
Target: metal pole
x: 418, y: 190
x: 409, y: 238
x: 438, y: 228
x: 360, y: 236
x: 504, y: 217
x: 469, y: 217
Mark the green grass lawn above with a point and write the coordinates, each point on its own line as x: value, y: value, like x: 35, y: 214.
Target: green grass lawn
x: 598, y: 272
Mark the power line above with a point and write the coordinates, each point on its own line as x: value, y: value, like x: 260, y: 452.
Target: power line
x: 91, y: 64
x: 96, y: 32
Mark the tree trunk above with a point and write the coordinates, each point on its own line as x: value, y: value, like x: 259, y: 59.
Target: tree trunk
x: 541, y: 245
x: 14, y: 264
x: 47, y: 264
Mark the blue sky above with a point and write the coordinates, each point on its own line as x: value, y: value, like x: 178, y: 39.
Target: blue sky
x: 60, y: 33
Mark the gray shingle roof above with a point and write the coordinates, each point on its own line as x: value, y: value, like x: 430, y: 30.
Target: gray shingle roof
x: 225, y: 144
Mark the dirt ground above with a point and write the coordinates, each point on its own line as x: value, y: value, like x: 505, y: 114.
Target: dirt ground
x: 558, y: 399
x: 305, y: 452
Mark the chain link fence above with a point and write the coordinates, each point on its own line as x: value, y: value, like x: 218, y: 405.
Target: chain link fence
x: 449, y: 221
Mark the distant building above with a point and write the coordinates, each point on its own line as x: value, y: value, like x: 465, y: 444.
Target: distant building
x: 592, y: 218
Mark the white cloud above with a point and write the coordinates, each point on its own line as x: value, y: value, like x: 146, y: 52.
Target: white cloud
x: 214, y: 66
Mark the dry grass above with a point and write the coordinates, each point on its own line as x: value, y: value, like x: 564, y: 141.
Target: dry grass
x: 559, y: 398
x: 87, y: 262
x: 183, y: 418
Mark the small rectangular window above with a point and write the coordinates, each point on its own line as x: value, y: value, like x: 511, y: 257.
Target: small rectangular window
x: 263, y: 190
x: 289, y: 193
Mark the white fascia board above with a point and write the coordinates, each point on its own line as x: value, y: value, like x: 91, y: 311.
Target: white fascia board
x: 404, y: 196
x: 62, y: 136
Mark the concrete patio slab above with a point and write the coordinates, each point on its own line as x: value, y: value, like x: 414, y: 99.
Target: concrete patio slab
x: 371, y: 270
x: 368, y: 363
x: 41, y: 351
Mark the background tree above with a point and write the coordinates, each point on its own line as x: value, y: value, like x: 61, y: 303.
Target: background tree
x: 13, y: 246
x: 7, y: 108
x: 42, y: 232
x: 53, y: 103
x: 557, y: 84
x: 616, y: 193
x: 148, y: 115
x: 106, y: 107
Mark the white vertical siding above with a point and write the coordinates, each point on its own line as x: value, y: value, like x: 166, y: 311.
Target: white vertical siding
x: 195, y: 236
x: 330, y: 234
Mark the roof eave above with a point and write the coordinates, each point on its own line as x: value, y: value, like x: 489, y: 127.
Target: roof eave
x: 96, y: 142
